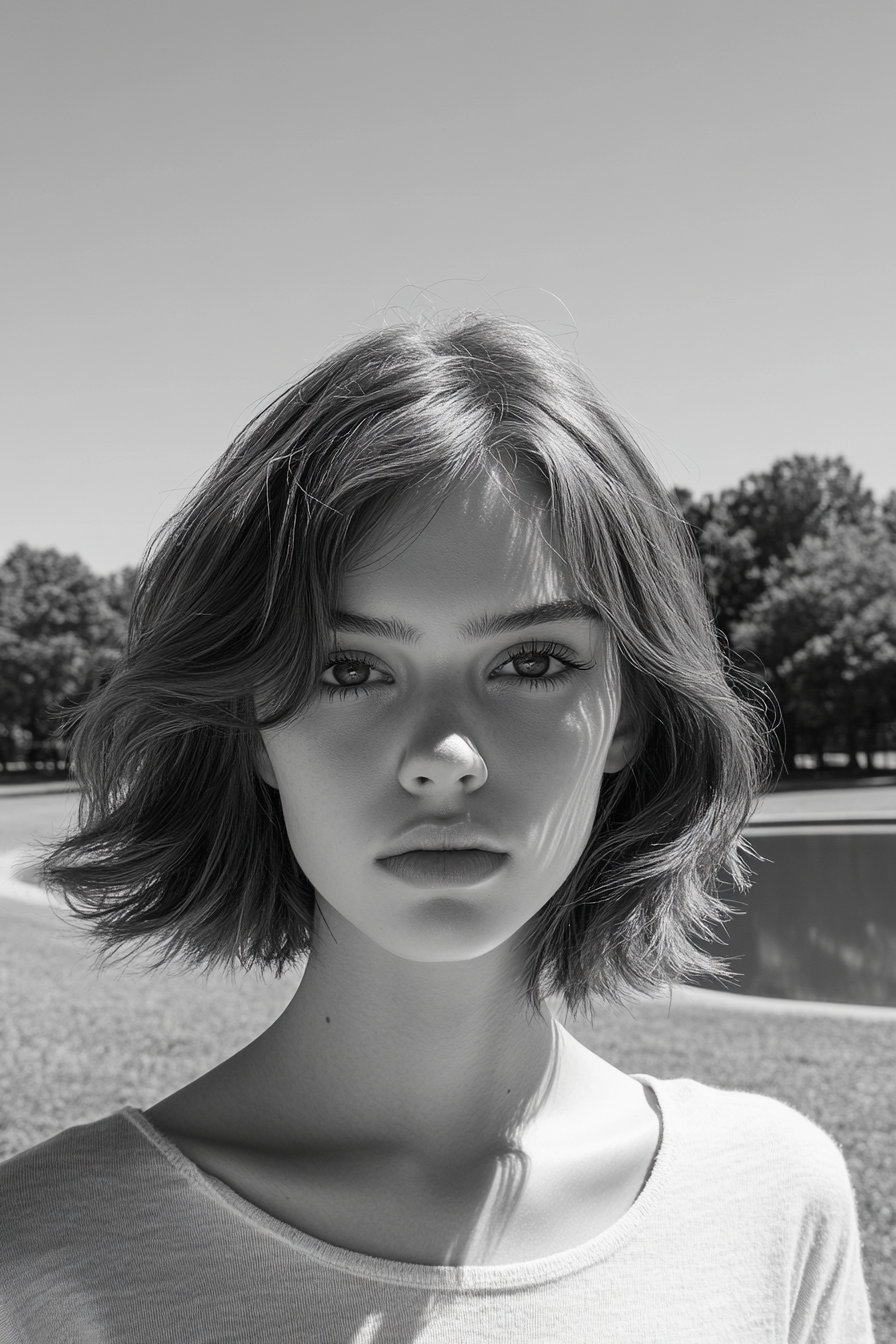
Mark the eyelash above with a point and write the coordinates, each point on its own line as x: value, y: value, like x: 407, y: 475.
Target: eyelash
x: 534, y: 648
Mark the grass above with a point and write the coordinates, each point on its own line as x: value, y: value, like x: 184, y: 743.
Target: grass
x: 75, y: 1045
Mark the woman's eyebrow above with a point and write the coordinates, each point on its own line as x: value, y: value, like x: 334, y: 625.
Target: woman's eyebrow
x: 481, y: 627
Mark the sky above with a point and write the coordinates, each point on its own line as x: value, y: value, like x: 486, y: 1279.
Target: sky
x: 695, y: 197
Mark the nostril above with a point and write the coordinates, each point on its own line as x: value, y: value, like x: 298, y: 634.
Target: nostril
x: 445, y: 770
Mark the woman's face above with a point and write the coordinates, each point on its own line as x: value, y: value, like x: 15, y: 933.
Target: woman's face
x: 474, y: 751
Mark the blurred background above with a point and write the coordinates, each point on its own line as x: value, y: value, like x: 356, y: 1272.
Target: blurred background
x: 696, y: 200
x: 202, y: 198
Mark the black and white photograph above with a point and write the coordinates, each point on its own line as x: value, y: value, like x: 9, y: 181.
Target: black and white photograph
x: 448, y: 673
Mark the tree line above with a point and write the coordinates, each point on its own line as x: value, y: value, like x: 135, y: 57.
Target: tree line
x: 62, y: 630
x: 799, y: 566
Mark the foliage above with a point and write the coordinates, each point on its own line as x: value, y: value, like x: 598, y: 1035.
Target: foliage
x: 798, y: 571
x: 888, y: 514
x: 825, y: 629
x: 742, y: 531
x: 61, y: 632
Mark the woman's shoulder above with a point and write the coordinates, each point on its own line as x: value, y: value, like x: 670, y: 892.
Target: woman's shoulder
x: 76, y: 1144
x: 711, y: 1104
x: 761, y: 1138
x: 79, y: 1173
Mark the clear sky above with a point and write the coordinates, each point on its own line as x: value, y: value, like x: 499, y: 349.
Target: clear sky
x: 201, y: 198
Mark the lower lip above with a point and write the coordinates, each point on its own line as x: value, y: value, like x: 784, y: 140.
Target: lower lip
x: 444, y: 867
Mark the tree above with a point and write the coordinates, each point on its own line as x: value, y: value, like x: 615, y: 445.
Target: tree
x: 745, y: 529
x: 61, y: 630
x: 825, y: 630
x: 888, y: 514
x: 118, y: 590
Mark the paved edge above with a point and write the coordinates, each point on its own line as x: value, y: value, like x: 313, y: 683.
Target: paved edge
x: 690, y: 995
x: 714, y: 1000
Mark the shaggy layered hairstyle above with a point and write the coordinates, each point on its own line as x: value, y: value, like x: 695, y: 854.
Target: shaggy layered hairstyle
x: 181, y: 844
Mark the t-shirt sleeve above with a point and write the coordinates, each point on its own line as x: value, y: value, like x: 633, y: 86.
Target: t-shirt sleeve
x: 830, y: 1303
x: 9, y: 1331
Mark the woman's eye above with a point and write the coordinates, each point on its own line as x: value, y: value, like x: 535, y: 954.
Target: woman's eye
x: 533, y: 666
x: 348, y: 672
x: 351, y: 676
x: 529, y: 664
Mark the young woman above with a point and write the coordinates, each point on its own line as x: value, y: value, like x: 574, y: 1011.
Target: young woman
x: 421, y: 689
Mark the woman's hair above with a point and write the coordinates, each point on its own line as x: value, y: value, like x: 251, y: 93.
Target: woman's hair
x: 181, y: 843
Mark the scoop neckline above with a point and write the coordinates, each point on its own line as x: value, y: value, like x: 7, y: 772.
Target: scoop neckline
x: 446, y: 1277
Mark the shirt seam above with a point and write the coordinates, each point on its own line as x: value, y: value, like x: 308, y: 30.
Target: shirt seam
x: 522, y: 1274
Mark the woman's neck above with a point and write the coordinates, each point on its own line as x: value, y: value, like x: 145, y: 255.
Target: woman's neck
x: 420, y: 1112
x: 434, y: 1058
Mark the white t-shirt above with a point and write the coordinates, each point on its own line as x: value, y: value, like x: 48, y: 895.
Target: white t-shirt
x: 744, y: 1233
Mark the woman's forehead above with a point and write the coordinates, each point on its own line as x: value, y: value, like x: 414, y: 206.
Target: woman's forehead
x: 515, y: 501
x: 489, y: 536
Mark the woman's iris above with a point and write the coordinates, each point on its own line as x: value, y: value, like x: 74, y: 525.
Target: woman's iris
x: 355, y: 671
x: 530, y: 658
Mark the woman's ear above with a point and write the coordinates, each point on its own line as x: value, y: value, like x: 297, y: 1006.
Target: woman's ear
x: 263, y: 764
x: 626, y: 740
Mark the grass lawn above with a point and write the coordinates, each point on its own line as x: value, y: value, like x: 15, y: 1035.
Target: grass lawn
x: 75, y: 1045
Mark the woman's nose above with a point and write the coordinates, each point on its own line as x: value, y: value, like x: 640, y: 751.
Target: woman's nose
x: 451, y: 762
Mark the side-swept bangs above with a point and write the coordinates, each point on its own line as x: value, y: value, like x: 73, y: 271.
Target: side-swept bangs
x: 180, y: 842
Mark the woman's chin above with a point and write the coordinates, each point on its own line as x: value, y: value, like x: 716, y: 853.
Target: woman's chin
x: 443, y: 928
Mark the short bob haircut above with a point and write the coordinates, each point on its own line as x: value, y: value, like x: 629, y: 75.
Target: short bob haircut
x: 180, y: 842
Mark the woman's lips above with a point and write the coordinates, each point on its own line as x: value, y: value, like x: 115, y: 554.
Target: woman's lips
x: 444, y: 867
